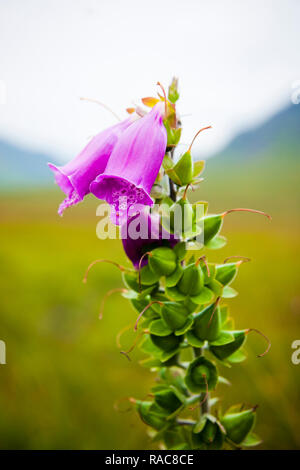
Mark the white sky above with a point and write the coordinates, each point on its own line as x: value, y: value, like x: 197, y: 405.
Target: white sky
x: 236, y: 61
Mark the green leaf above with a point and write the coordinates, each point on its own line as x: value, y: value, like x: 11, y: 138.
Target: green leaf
x: 229, y: 292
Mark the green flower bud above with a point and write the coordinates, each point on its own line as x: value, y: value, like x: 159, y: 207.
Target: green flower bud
x: 226, y: 350
x: 174, y: 315
x: 201, y: 375
x: 239, y: 425
x: 207, y: 323
x: 192, y: 280
x: 163, y: 261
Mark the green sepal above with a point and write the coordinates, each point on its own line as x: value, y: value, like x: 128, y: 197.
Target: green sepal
x: 159, y: 328
x: 174, y: 278
x: 204, y: 297
x: 227, y: 350
x: 216, y: 287
x: 208, y: 276
x: 162, y: 262
x: 184, y: 168
x: 131, y: 281
x: 148, y: 347
x: 212, y: 226
x: 194, y: 377
x: 229, y: 293
x: 174, y: 315
x: 237, y: 357
x: 224, y: 338
x: 210, y: 436
x: 168, y: 343
x: 193, y: 340
x: 207, y: 323
x: 173, y: 135
x: 149, y: 416
x: 150, y: 362
x: 239, y: 425
x: 225, y: 273
x: 174, y: 294
x: 216, y: 243
x: 180, y: 250
x: 192, y: 281
x: 173, y: 94
x: 224, y: 313
x: 168, y: 400
x: 251, y: 440
x: 186, y: 327
x: 199, y: 166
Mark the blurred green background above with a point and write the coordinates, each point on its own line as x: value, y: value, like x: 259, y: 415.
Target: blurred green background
x: 64, y: 371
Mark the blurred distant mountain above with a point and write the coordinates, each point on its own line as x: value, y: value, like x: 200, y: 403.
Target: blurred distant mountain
x: 278, y: 139
x: 22, y: 167
x: 278, y: 136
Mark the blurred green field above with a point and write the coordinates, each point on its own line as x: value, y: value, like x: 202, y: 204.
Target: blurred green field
x: 64, y: 371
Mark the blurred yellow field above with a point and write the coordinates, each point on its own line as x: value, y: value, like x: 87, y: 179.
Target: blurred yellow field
x: 64, y: 371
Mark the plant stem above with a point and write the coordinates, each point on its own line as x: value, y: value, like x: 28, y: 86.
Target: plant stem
x: 172, y: 187
x: 205, y: 405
